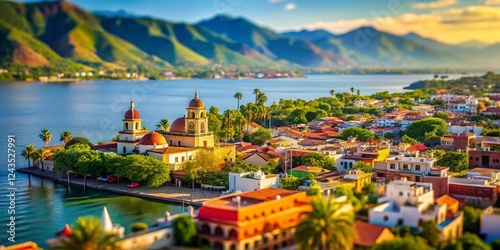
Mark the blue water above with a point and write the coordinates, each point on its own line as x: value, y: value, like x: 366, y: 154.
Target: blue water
x: 94, y: 109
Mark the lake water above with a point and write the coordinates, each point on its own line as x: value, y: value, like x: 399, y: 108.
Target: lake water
x: 94, y: 109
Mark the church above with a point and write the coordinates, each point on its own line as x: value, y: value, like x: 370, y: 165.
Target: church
x: 186, y: 136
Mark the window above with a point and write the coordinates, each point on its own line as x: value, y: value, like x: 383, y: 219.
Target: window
x: 401, y: 221
x: 386, y: 218
x: 417, y: 167
x: 417, y: 178
x: 178, y: 143
x: 393, y: 166
x: 350, y: 164
x: 126, y: 126
x: 183, y: 159
x: 176, y: 159
x: 400, y: 193
x: 256, y: 243
x: 405, y: 166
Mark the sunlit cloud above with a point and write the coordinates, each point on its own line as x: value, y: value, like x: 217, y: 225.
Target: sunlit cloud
x: 448, y: 26
x: 435, y: 4
x: 290, y: 6
x: 492, y: 2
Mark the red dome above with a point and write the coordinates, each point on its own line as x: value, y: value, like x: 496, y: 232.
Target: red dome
x: 178, y: 126
x: 153, y: 138
x: 196, y: 102
x: 133, y: 112
x: 65, y: 232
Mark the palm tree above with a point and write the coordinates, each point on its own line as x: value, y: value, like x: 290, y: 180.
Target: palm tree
x: 46, y: 136
x: 66, y: 136
x: 332, y: 92
x: 163, y: 124
x: 261, y: 99
x: 42, y: 155
x: 241, y: 121
x: 358, y: 92
x: 35, y: 157
x: 87, y: 234
x: 352, y: 90
x: 238, y: 97
x: 28, y: 152
x: 328, y: 226
x: 256, y: 92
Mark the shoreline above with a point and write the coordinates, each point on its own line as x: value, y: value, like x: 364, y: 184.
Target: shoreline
x: 169, y: 194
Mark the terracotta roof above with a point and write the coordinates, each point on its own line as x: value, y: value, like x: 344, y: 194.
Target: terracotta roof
x: 106, y: 145
x: 53, y: 148
x: 369, y: 234
x: 266, y: 156
x: 178, y: 126
x: 196, y: 102
x: 132, y: 114
x: 153, y: 138
x: 446, y: 199
x: 300, y: 153
x: 171, y: 150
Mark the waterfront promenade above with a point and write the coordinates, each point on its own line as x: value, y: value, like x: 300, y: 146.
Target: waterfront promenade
x: 178, y: 195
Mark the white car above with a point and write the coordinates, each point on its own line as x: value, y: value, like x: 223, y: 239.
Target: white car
x: 103, y: 179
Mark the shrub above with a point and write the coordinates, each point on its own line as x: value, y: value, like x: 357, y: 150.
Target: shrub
x: 139, y: 226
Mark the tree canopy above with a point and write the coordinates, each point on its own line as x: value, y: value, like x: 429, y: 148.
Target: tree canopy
x: 79, y: 140
x: 361, y: 133
x: 260, y: 136
x: 185, y: 231
x: 455, y: 161
x: 318, y: 160
x: 427, y: 127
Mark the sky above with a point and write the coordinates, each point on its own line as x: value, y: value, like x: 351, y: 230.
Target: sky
x: 448, y: 21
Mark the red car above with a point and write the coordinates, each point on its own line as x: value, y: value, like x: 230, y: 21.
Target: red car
x: 133, y: 185
x: 112, y: 179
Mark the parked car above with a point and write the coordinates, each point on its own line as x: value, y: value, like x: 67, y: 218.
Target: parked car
x: 112, y: 179
x: 133, y: 185
x: 102, y: 178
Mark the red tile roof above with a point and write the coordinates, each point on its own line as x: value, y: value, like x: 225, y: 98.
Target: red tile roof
x: 369, y: 234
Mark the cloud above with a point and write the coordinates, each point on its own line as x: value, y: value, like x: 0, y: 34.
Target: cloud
x: 448, y: 26
x: 290, y: 6
x: 492, y: 2
x: 435, y: 4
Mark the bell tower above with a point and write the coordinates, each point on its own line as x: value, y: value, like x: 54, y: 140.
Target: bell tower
x: 132, y: 120
x: 196, y: 117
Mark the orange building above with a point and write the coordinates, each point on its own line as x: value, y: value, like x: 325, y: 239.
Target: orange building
x: 262, y: 219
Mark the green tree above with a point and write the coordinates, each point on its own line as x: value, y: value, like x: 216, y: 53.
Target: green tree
x: 472, y: 219
x: 185, y: 231
x: 271, y: 167
x: 389, y: 135
x: 314, y: 189
x: 403, y: 243
x: 238, y: 96
x: 318, y: 160
x: 42, y: 154
x: 46, y: 136
x: 495, y: 245
x: 66, y: 136
x: 204, y: 162
x: 327, y: 226
x: 442, y: 115
x: 138, y: 227
x: 141, y: 168
x: 28, y: 152
x: 361, y: 134
x: 290, y: 182
x: 363, y: 166
x: 332, y: 92
x: 79, y: 140
x: 407, y: 139
x: 87, y: 235
x: 257, y: 92
x: 455, y: 161
x: 468, y: 241
x: 427, y: 127
x: 163, y: 124
x: 430, y: 233
x: 260, y: 136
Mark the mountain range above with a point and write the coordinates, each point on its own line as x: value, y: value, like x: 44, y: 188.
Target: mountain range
x: 60, y: 34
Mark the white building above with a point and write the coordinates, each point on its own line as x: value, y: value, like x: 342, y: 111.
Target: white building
x: 252, y: 181
x: 462, y: 128
x: 467, y: 106
x: 410, y: 203
x: 490, y: 221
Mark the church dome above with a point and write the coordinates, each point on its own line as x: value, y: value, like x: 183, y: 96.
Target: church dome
x: 153, y: 138
x: 196, y: 102
x: 132, y: 113
x: 178, y: 126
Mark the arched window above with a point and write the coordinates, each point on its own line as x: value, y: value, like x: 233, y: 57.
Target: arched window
x: 219, y: 231
x: 193, y: 115
x: 179, y: 143
x: 124, y: 150
x: 171, y: 143
x: 233, y: 234
x: 202, y: 127
x: 136, y: 126
x: 126, y: 126
x: 202, y: 115
x: 205, y: 229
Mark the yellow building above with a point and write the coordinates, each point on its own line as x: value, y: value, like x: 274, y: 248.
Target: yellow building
x: 192, y: 129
